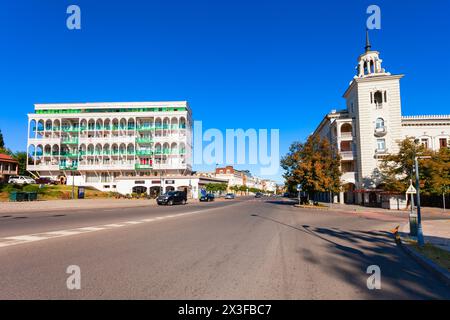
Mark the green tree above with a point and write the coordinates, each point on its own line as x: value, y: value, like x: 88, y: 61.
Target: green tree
x: 398, y: 169
x: 2, y: 142
x: 314, y: 164
x: 21, y: 158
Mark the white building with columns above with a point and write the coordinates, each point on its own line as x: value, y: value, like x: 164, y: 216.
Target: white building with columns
x: 372, y: 125
x: 107, y: 145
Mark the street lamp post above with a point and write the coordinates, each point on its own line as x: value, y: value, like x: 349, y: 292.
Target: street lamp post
x: 419, y: 217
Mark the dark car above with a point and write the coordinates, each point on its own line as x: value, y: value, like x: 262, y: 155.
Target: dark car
x: 45, y: 180
x: 172, y: 197
x: 207, y: 197
x: 258, y: 195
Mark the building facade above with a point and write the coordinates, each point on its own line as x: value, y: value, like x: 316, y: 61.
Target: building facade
x: 8, y: 167
x: 100, y: 144
x: 371, y: 126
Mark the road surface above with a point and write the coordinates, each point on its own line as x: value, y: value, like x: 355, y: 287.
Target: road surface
x: 238, y: 249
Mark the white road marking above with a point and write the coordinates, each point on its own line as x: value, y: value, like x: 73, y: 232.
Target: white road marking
x: 21, y: 239
x: 27, y: 238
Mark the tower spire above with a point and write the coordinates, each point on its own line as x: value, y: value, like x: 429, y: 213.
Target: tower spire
x: 368, y: 46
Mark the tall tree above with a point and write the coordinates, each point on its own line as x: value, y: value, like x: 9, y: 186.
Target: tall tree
x: 21, y: 157
x: 314, y: 164
x: 398, y: 169
x: 2, y: 142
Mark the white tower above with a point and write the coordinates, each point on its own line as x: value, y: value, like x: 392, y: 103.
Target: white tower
x: 373, y: 101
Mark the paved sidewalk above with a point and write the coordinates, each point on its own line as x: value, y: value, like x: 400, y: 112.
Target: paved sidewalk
x: 436, y: 232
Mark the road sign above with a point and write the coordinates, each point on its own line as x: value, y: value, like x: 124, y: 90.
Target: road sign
x: 411, y: 190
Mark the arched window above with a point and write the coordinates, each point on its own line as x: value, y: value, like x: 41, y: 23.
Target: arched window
x: 378, y: 98
x: 379, y: 123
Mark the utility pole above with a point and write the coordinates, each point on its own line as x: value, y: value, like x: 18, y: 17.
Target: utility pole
x: 419, y: 218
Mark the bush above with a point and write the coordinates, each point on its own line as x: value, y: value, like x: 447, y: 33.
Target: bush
x: 33, y: 188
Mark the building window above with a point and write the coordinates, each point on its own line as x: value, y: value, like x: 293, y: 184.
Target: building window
x: 381, y: 144
x: 378, y: 99
x: 379, y: 123
x: 424, y: 142
x: 443, y: 143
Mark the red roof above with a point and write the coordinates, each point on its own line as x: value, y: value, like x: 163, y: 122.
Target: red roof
x: 5, y: 157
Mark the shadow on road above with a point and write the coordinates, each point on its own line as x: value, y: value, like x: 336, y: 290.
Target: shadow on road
x: 360, y: 249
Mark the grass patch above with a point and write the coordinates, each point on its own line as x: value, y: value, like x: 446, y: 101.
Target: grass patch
x: 434, y: 253
x: 51, y: 192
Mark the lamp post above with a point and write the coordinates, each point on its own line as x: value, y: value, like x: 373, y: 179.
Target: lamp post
x: 419, y: 218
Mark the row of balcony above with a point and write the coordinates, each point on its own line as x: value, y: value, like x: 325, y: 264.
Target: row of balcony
x: 114, y: 128
x: 112, y: 153
x: 105, y: 166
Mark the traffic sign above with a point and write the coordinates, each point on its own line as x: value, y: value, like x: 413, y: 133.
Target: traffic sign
x: 411, y: 190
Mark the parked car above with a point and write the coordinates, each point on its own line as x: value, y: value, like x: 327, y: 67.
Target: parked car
x: 21, y: 180
x: 172, y: 197
x: 45, y: 180
x: 258, y: 195
x: 229, y: 196
x: 207, y: 197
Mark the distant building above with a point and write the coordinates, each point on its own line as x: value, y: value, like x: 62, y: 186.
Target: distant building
x: 371, y: 127
x: 8, y: 167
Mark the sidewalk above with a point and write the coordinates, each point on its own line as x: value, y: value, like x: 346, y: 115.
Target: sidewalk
x: 435, y: 232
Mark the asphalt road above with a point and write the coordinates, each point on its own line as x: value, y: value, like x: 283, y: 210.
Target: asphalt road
x: 241, y: 249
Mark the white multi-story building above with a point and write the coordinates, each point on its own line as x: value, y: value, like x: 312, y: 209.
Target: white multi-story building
x: 101, y: 144
x: 371, y: 126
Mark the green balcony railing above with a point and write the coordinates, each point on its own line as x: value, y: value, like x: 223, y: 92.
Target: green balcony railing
x: 69, y: 154
x: 69, y: 141
x: 70, y: 129
x: 138, y: 166
x: 68, y: 167
x: 56, y: 128
x: 144, y: 140
x: 145, y: 128
x: 144, y: 152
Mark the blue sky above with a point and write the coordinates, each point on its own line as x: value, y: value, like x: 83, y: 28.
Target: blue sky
x: 240, y: 64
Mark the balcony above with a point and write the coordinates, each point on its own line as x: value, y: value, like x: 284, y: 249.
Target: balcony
x: 381, y: 151
x: 348, y: 177
x: 139, y: 166
x: 346, y: 136
x: 106, y: 166
x: 144, y: 140
x: 347, y: 155
x: 144, y: 152
x: 69, y: 141
x: 70, y: 154
x: 42, y: 167
x: 68, y: 167
x: 145, y: 128
x: 379, y: 132
x: 70, y: 129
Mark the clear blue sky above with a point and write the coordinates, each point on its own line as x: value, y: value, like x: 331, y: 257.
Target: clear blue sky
x: 240, y: 64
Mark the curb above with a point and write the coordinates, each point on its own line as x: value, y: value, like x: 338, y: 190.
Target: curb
x: 426, y: 263
x: 311, y: 207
